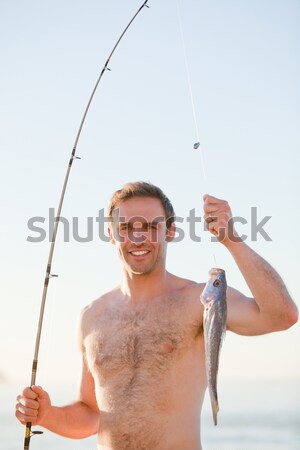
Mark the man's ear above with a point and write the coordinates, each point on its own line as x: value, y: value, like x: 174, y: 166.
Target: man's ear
x: 170, y: 233
x: 111, y: 234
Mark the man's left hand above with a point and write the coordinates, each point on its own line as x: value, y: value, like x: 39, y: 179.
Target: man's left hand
x: 218, y: 215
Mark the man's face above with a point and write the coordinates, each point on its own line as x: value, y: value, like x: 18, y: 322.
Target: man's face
x: 140, y: 232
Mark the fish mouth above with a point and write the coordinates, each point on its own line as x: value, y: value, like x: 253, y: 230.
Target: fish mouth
x: 216, y: 271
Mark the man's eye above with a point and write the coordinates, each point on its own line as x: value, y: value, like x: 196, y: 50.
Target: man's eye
x: 125, y: 227
x: 149, y: 227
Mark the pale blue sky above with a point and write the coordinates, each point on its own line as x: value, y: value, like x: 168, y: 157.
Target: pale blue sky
x: 244, y: 64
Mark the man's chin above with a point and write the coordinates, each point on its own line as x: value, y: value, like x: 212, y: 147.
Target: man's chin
x: 134, y: 270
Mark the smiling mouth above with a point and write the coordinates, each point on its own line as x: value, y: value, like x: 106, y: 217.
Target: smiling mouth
x: 139, y: 252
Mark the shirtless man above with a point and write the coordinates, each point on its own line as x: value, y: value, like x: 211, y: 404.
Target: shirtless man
x: 143, y: 366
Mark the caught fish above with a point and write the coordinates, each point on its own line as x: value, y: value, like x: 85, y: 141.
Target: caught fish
x: 213, y: 298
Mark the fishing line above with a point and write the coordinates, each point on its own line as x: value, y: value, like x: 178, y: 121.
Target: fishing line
x: 215, y: 260
x: 188, y: 75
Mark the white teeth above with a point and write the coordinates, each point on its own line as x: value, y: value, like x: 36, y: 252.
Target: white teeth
x: 139, y: 253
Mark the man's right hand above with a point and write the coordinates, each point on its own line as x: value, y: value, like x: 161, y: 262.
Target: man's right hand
x: 32, y: 405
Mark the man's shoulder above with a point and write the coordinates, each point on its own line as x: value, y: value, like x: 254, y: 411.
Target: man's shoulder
x: 186, y: 285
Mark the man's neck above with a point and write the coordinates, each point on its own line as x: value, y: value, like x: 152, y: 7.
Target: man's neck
x: 145, y: 287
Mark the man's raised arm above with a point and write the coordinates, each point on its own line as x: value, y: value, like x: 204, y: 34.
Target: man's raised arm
x: 271, y: 308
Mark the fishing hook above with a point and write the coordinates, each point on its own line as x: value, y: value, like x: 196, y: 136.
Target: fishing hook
x: 28, y: 432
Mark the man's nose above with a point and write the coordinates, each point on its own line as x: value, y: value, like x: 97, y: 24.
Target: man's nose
x: 139, y: 236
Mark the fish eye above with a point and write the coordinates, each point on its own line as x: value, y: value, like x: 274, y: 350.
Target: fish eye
x: 216, y: 282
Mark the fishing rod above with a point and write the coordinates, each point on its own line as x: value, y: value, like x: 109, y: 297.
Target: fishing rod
x: 28, y: 432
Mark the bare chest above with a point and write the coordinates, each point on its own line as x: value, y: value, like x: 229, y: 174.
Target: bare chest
x: 125, y: 338
x: 141, y: 358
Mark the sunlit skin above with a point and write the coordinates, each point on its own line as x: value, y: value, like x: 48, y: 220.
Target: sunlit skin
x: 143, y: 367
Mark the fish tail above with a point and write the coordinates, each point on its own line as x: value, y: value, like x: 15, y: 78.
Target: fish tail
x: 215, y: 408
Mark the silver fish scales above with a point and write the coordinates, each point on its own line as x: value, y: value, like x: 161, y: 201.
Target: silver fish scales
x: 213, y: 298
